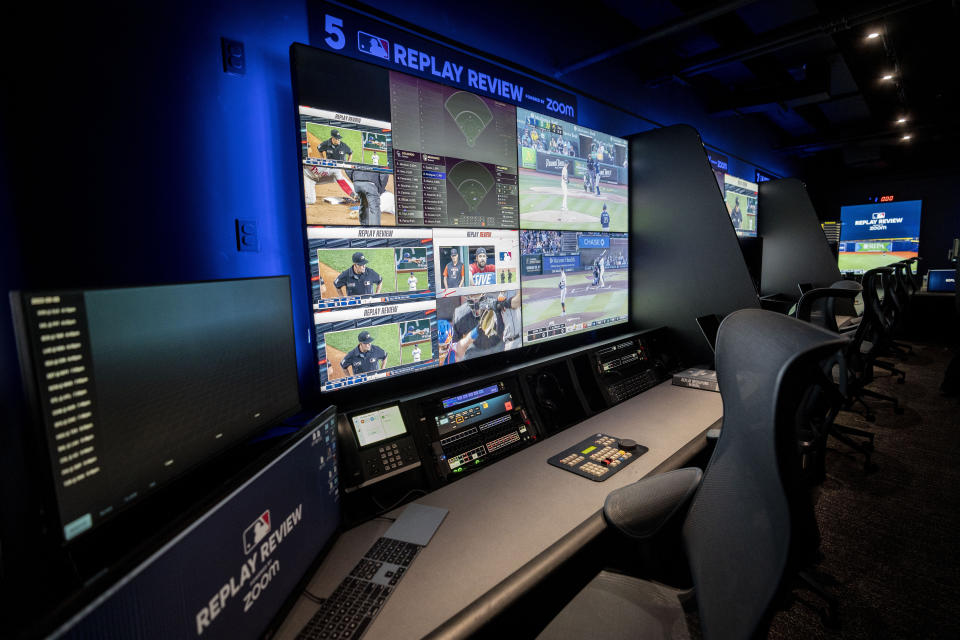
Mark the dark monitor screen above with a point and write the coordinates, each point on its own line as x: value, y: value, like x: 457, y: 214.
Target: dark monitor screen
x: 135, y: 386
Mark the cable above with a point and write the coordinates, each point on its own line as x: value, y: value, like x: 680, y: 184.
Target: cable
x: 383, y: 509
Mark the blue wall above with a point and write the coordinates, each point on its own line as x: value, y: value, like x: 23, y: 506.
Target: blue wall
x: 127, y: 154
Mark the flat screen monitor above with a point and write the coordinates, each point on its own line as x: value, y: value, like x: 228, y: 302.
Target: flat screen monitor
x: 942, y: 280
x: 415, y: 195
x: 875, y: 235
x: 136, y: 386
x: 741, y: 199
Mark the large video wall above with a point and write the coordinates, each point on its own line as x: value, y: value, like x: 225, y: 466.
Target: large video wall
x: 444, y: 226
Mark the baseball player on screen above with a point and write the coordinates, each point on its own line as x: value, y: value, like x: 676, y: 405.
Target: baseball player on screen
x: 563, y: 291
x: 479, y: 266
x: 601, y: 265
x: 412, y: 282
x: 478, y: 325
x: 564, y: 180
x: 736, y: 216
x: 605, y: 218
x: 453, y: 271
x: 416, y: 353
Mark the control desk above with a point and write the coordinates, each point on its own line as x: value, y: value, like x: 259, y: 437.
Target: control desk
x: 505, y: 520
x: 480, y: 450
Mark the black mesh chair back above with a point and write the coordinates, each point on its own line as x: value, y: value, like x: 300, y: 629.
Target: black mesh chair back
x: 845, y: 307
x: 739, y: 532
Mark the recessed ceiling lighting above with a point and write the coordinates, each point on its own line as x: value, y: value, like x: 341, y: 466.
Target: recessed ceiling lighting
x: 906, y: 137
x: 871, y: 36
x: 888, y: 77
x: 901, y: 120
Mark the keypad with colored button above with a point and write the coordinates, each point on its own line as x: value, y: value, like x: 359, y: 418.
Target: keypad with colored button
x: 598, y: 457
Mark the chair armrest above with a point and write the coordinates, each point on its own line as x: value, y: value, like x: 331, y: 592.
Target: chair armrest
x: 640, y: 509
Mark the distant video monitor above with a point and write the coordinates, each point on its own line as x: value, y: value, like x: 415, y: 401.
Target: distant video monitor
x: 741, y: 199
x: 876, y: 235
x: 942, y: 280
x: 571, y: 177
x: 572, y: 281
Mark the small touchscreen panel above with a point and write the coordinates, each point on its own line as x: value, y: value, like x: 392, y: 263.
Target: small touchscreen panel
x: 376, y: 426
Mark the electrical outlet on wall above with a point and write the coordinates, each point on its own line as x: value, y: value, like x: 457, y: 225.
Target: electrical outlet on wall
x: 248, y: 235
x: 234, y: 58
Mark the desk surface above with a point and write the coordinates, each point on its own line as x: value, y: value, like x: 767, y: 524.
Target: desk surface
x: 504, y: 515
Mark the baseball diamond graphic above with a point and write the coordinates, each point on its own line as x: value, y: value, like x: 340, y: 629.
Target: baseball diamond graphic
x: 472, y: 181
x: 470, y: 113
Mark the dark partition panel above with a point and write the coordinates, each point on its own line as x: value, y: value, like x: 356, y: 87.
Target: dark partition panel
x: 685, y: 260
x: 794, y: 247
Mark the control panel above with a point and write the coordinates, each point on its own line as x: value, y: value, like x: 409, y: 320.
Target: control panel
x: 598, y: 457
x: 625, y: 368
x: 376, y: 445
x: 475, y: 425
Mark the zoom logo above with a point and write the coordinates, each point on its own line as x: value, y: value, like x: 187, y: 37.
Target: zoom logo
x: 559, y: 107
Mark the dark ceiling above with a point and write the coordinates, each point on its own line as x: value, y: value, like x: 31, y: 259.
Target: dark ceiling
x: 806, y: 67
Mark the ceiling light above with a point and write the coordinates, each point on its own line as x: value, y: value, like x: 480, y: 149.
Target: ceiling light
x: 901, y: 120
x: 871, y: 36
x: 888, y: 77
x: 906, y: 137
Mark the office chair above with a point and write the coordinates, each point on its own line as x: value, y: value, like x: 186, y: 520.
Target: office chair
x: 849, y: 371
x: 870, y: 341
x: 750, y: 527
x: 894, y: 309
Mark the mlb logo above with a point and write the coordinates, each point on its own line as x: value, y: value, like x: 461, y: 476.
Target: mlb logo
x: 878, y: 215
x: 505, y: 256
x: 256, y: 532
x: 373, y: 45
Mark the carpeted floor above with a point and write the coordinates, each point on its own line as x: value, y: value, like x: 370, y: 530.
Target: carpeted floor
x: 891, y: 537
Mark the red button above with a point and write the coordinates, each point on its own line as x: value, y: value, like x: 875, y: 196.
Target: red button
x: 508, y: 405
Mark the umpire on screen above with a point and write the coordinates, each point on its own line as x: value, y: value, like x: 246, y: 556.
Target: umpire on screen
x: 365, y: 357
x: 369, y: 186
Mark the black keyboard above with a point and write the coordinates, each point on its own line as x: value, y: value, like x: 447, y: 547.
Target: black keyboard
x: 359, y: 598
